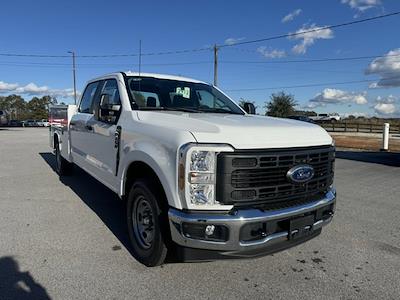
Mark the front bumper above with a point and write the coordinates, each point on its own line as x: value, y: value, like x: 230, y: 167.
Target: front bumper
x: 268, y: 242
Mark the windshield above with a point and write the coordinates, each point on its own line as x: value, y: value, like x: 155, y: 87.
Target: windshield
x: 148, y: 93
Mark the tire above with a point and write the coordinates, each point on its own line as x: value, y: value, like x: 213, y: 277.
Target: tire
x: 147, y: 223
x: 63, y: 167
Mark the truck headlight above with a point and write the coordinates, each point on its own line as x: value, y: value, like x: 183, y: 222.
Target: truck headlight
x: 197, y: 175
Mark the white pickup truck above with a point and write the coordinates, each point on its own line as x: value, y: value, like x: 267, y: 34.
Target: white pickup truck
x: 334, y: 117
x: 200, y: 175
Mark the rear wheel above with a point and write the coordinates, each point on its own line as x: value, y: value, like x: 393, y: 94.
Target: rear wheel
x: 63, y: 167
x: 147, y: 224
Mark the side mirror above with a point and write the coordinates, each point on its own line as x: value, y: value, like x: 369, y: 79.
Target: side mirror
x: 108, y: 112
x: 249, y: 108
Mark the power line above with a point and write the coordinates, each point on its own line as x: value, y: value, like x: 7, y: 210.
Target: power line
x: 303, y: 85
x: 208, y: 47
x: 22, y: 63
x: 308, y: 60
x: 107, y: 55
x: 309, y: 31
x: 33, y: 55
x: 62, y: 65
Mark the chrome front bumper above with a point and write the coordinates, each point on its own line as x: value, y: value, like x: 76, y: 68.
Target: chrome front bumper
x: 234, y: 222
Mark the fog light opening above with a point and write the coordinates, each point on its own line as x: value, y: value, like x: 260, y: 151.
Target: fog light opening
x: 209, y: 230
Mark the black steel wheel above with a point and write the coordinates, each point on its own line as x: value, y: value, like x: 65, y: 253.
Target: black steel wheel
x: 147, y: 224
x: 143, y: 222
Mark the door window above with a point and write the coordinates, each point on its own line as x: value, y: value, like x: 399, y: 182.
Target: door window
x: 87, y: 99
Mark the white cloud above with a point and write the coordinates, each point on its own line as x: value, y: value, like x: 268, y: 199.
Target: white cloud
x: 308, y: 38
x: 386, y: 105
x: 373, y: 85
x: 335, y: 96
x: 385, y: 108
x: 231, y: 40
x: 388, y: 68
x: 289, y: 17
x: 362, y: 5
x: 387, y: 99
x: 32, y: 89
x: 4, y: 86
x: 271, y: 53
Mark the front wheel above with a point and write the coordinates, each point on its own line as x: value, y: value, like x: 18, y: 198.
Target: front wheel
x: 147, y: 224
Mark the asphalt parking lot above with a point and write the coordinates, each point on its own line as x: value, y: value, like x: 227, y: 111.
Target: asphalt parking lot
x: 68, y: 240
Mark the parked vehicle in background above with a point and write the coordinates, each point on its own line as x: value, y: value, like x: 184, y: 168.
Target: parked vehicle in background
x: 201, y: 176
x: 30, y: 123
x: 3, y: 118
x: 43, y: 123
x: 334, y: 117
x: 302, y: 118
x: 15, y: 123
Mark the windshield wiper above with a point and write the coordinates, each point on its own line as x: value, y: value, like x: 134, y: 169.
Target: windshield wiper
x: 193, y: 110
x: 219, y: 111
x: 184, y: 109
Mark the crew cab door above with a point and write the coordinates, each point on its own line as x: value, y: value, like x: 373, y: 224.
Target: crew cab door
x: 79, y: 128
x: 104, y: 134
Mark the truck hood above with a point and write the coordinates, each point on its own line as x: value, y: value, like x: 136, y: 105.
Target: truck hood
x: 240, y: 131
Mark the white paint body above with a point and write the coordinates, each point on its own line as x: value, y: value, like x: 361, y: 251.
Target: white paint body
x: 155, y: 137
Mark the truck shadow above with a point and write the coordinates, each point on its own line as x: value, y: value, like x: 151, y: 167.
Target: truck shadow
x: 383, y: 158
x: 102, y: 201
x: 15, y: 284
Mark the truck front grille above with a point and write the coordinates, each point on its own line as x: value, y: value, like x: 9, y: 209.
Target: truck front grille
x: 258, y: 178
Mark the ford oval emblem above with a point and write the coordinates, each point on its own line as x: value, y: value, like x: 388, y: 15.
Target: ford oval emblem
x: 300, y: 173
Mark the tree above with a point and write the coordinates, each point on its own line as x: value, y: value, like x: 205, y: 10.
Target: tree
x: 14, y: 105
x: 280, y: 105
x: 17, y: 108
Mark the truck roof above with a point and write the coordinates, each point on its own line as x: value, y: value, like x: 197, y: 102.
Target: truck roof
x: 155, y: 75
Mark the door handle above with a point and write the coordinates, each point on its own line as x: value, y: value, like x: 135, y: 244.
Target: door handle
x: 89, y: 127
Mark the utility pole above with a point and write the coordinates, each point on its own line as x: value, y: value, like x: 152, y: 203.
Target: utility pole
x: 140, y: 56
x: 215, y: 64
x: 73, y: 73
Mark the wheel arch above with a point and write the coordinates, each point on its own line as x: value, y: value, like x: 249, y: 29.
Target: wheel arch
x: 56, y: 139
x: 139, y: 169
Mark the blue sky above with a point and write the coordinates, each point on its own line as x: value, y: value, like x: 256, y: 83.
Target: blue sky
x: 115, y: 27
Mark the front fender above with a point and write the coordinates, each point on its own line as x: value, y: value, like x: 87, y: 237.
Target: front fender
x: 164, y: 165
